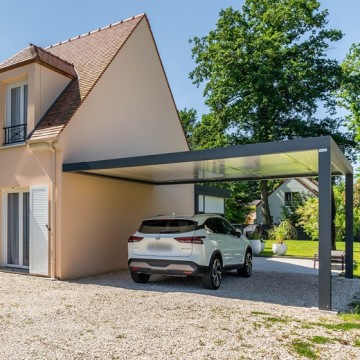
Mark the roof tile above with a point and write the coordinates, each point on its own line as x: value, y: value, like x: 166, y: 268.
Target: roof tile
x: 91, y: 54
x: 34, y: 53
x: 84, y: 58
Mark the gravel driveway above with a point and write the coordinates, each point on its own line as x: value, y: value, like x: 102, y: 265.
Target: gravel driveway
x: 110, y: 317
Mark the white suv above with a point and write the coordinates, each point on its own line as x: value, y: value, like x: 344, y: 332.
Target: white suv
x: 201, y: 245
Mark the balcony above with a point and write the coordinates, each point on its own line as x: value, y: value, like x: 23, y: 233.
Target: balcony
x: 15, y: 134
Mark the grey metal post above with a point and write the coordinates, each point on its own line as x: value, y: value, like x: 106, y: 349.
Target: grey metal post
x: 349, y: 233
x: 325, y: 229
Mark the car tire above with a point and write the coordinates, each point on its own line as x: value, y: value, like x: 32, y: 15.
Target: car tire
x: 246, y: 270
x: 212, y: 280
x: 139, y: 278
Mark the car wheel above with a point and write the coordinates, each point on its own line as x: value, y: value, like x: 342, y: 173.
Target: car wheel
x: 212, y: 280
x: 246, y: 270
x: 139, y: 278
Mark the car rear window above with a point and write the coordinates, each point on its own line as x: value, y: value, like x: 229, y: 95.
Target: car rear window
x: 167, y: 226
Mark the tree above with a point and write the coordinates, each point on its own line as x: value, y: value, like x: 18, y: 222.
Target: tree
x: 308, y: 217
x: 349, y: 93
x: 308, y: 213
x: 288, y: 211
x: 266, y: 74
x: 188, y: 118
x: 238, y: 207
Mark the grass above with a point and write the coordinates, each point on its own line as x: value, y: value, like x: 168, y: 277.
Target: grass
x: 321, y: 340
x: 304, y: 349
x: 307, y: 249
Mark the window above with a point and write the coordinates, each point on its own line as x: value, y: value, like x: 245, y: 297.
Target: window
x: 17, y: 229
x: 215, y: 225
x: 229, y: 230
x: 291, y: 196
x: 167, y: 226
x: 16, y: 112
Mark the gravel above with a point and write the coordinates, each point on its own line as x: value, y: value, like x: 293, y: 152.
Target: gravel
x: 110, y: 317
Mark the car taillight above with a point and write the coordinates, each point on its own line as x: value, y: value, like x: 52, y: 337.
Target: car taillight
x: 191, y: 239
x: 135, y: 238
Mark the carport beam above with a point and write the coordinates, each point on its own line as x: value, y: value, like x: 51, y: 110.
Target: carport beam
x: 349, y: 218
x: 325, y: 229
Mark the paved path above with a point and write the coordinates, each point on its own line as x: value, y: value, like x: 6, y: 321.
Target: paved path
x: 290, y: 265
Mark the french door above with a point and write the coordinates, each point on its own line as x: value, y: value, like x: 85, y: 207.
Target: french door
x: 16, y: 112
x: 17, y: 229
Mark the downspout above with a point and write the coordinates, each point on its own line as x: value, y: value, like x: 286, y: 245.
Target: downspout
x: 52, y: 228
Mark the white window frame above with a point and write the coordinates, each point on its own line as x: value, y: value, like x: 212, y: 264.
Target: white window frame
x: 4, y: 221
x: 11, y: 86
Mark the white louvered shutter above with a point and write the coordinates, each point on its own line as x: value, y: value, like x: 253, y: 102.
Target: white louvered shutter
x: 39, y: 236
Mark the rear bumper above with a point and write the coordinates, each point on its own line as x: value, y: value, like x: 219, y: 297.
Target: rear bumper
x: 167, y: 267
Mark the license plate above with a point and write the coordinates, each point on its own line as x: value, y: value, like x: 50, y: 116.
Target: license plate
x: 158, y: 246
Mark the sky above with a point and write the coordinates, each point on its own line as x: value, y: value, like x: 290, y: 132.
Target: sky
x: 173, y: 22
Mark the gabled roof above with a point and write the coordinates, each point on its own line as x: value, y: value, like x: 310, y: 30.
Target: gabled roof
x: 90, y: 54
x: 314, y: 190
x: 302, y: 181
x: 34, y: 53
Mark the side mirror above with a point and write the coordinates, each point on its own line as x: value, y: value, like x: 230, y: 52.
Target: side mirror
x: 238, y: 232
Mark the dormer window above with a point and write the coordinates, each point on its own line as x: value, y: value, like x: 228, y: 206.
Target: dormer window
x: 16, y: 112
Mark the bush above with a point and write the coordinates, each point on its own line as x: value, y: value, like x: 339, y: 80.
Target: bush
x: 284, y: 231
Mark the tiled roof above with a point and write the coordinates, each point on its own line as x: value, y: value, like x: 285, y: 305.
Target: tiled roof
x: 302, y: 182
x: 91, y: 54
x: 308, y: 187
x: 35, y: 54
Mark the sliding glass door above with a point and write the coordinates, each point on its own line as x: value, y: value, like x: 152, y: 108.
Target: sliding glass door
x: 18, y: 208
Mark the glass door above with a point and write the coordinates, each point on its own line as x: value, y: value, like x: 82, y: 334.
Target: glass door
x: 18, y: 208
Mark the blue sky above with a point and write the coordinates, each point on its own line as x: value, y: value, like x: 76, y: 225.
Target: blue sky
x: 174, y: 22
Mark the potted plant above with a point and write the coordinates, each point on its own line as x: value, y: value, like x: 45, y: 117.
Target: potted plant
x: 255, y: 242
x: 279, y: 233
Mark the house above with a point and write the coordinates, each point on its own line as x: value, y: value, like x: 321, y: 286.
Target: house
x: 286, y: 193
x: 100, y: 95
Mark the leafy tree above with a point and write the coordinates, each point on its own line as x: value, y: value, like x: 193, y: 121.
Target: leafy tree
x: 188, y: 118
x: 308, y: 217
x: 288, y: 211
x: 266, y: 73
x: 237, y: 208
x: 209, y: 133
x: 308, y: 213
x: 349, y: 93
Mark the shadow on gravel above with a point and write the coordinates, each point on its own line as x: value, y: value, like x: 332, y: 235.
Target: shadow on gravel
x: 289, y: 289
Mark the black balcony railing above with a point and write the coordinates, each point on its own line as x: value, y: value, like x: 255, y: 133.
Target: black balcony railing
x: 15, y: 134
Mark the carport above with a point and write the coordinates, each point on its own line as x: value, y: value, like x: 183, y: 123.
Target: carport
x: 284, y: 159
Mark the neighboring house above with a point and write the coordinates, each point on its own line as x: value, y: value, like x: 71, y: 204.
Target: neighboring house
x: 285, y: 193
x: 100, y: 95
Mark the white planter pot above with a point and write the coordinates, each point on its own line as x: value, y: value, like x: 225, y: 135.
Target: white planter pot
x: 279, y: 249
x: 256, y: 246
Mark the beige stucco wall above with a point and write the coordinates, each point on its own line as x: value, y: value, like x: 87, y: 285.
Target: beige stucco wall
x: 44, y: 86
x: 98, y: 215
x: 130, y: 111
x: 21, y: 168
x: 48, y: 86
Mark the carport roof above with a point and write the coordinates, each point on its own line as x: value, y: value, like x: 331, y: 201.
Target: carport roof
x: 282, y: 159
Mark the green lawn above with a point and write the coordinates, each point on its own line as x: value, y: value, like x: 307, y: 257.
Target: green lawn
x: 304, y: 248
